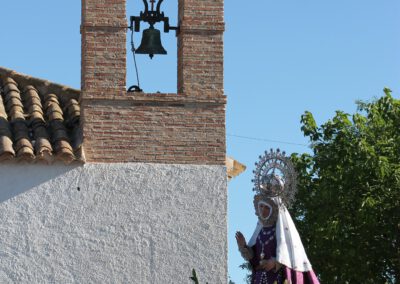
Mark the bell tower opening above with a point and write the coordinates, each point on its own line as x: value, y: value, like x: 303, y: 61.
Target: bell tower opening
x: 157, y: 74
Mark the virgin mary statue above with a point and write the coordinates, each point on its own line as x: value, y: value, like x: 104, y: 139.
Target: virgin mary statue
x: 275, y: 250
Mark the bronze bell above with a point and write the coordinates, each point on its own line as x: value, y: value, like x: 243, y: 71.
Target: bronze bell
x: 151, y: 43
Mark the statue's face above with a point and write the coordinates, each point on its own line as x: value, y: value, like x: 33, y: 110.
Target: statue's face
x: 264, y: 210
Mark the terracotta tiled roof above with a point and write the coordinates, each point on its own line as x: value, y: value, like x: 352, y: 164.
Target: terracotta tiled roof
x: 39, y: 120
x: 233, y: 168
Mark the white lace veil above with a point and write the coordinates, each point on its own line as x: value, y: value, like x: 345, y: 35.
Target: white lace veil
x: 290, y: 250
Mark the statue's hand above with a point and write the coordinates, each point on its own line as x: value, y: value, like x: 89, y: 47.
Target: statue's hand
x: 241, y: 241
x: 246, y: 252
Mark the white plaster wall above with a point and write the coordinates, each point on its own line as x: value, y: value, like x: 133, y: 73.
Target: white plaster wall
x: 128, y: 223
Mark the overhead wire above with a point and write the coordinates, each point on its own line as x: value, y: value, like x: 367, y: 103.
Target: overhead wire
x: 266, y: 140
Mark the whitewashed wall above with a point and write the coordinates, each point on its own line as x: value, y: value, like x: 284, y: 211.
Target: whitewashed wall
x: 128, y: 223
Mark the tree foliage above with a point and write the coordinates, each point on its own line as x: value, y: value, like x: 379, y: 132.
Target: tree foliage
x: 348, y: 204
x: 249, y: 270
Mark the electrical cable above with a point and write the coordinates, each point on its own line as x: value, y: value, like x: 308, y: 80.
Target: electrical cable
x: 266, y: 140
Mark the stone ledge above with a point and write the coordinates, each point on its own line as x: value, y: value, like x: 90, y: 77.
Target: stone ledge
x: 155, y: 98
x: 201, y: 26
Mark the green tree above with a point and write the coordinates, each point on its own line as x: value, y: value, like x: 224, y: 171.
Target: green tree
x: 348, y: 204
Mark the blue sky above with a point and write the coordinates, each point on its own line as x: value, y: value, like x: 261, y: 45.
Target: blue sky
x: 281, y: 58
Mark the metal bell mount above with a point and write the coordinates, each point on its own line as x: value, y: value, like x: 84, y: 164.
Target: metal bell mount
x: 151, y: 39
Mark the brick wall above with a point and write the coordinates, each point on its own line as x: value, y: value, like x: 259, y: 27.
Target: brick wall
x: 103, y: 31
x: 183, y: 128
x: 200, y: 46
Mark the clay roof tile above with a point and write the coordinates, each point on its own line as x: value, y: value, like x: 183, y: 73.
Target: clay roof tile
x: 39, y: 120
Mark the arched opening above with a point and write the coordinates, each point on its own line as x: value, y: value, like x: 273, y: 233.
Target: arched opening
x: 160, y: 73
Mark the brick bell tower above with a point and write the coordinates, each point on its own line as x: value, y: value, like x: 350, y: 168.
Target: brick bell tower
x: 166, y: 152
x: 183, y: 128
